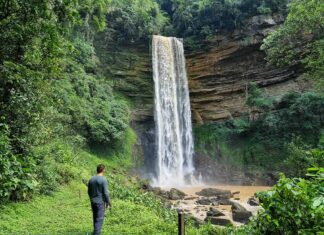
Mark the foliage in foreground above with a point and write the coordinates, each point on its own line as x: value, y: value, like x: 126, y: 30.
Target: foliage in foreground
x: 51, y: 92
x: 293, y: 206
x: 68, y: 210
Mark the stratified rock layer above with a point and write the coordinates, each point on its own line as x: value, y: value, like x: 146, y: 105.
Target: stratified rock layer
x: 218, y: 74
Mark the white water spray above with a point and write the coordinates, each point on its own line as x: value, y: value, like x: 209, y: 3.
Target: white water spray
x: 172, y: 114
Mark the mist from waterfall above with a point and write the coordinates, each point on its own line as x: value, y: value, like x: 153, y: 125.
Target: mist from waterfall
x: 174, y: 141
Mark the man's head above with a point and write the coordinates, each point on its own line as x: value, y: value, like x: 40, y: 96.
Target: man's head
x: 101, y: 169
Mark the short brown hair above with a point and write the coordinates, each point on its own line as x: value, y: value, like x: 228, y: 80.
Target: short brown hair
x: 100, y: 168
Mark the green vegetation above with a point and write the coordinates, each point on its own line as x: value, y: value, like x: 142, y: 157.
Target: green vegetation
x: 68, y: 211
x: 204, y: 18
x: 300, y: 39
x: 60, y: 114
x: 133, y: 20
x: 293, y: 206
x: 51, y: 93
x: 263, y: 141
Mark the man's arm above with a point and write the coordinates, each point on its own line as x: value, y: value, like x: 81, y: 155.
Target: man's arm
x: 106, y: 194
x: 88, y: 184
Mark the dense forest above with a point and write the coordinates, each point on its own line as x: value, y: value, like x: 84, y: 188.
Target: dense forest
x: 60, y: 112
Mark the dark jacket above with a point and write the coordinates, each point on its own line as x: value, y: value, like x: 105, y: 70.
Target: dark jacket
x: 98, y: 190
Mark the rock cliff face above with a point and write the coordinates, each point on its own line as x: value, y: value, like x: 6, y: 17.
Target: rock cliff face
x: 218, y: 74
x: 130, y: 68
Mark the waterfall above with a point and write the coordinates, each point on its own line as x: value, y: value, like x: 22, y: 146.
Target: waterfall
x: 174, y: 141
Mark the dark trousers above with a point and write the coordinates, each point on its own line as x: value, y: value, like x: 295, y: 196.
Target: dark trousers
x: 98, y: 211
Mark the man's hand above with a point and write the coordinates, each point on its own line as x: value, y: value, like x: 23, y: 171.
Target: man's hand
x: 108, y: 205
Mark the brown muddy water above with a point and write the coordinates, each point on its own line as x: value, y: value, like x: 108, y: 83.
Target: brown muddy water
x: 242, y: 194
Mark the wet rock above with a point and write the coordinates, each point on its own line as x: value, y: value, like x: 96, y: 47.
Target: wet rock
x: 225, y: 202
x: 237, y: 206
x: 206, y: 201
x: 160, y: 192
x: 176, y: 194
x: 190, y: 198
x: 239, y: 213
x: 203, y: 201
x: 241, y: 216
x: 214, y: 192
x: 213, y: 212
x: 253, y: 201
x: 218, y: 221
x: 236, y: 198
x: 215, y: 203
x: 224, y: 196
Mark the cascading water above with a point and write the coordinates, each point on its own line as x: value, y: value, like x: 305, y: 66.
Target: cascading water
x: 172, y: 113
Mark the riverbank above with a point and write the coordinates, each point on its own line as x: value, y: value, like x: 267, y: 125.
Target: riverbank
x: 196, y: 205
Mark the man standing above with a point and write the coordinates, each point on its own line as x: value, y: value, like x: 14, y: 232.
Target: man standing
x: 99, y: 197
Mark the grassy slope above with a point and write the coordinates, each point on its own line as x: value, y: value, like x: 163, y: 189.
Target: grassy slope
x: 67, y: 211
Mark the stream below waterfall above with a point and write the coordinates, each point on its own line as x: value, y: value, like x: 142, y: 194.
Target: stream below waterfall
x: 241, y: 195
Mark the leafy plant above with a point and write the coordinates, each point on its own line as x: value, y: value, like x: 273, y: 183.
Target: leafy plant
x: 299, y: 39
x: 293, y: 206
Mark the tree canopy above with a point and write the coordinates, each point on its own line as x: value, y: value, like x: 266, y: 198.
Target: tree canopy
x: 300, y: 39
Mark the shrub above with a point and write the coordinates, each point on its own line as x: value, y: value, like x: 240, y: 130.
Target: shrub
x: 300, y: 157
x: 264, y: 141
x: 293, y: 206
x: 17, y: 176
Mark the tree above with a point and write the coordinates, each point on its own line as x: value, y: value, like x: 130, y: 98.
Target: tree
x: 299, y: 39
x: 133, y: 20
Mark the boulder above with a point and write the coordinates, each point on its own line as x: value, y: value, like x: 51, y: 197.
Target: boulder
x: 216, y: 203
x: 237, y: 206
x: 190, y: 198
x: 218, y: 221
x: 160, y: 192
x: 206, y: 201
x: 225, y: 202
x: 241, y: 216
x: 224, y: 196
x: 203, y: 201
x: 253, y: 201
x: 176, y: 194
x: 213, y: 212
x: 239, y: 213
x: 214, y: 192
